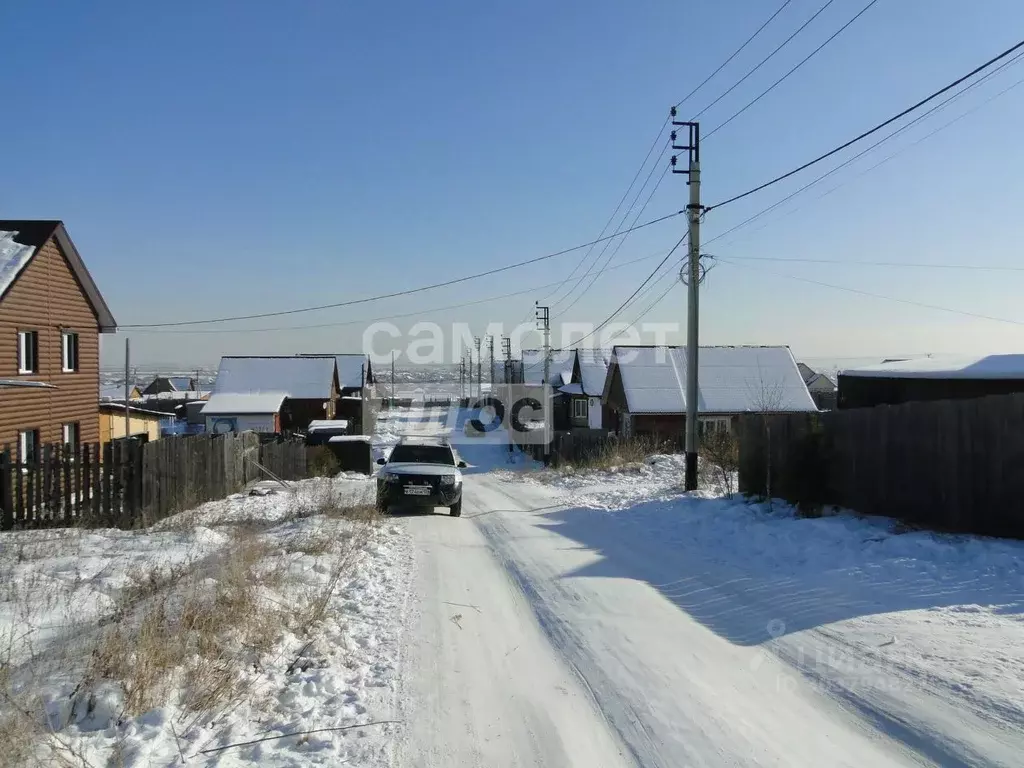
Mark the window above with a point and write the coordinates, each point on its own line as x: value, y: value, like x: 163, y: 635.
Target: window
x: 579, y: 408
x: 28, y: 446
x: 713, y: 426
x: 422, y: 454
x: 28, y: 351
x: 71, y: 434
x: 69, y: 351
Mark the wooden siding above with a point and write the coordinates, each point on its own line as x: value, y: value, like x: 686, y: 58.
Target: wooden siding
x: 112, y: 425
x: 47, y: 297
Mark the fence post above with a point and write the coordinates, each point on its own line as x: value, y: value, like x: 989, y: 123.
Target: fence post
x: 78, y: 481
x: 47, y: 496
x: 106, y: 480
x: 69, y: 510
x: 6, y: 498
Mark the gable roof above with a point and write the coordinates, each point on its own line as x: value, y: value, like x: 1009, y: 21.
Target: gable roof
x: 533, y: 365
x: 231, y: 403
x: 20, y: 241
x: 593, y: 369
x: 351, y: 370
x: 730, y: 379
x: 302, y: 377
x: 806, y: 371
x: 946, y: 367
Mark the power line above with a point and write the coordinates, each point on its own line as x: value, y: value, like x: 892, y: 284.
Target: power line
x: 396, y: 294
x: 847, y: 289
x: 648, y: 279
x: 909, y: 264
x: 615, y: 250
x: 772, y: 87
x: 391, y: 316
x: 884, y: 139
x: 764, y: 60
x: 617, y: 207
x: 735, y: 53
x: 871, y: 131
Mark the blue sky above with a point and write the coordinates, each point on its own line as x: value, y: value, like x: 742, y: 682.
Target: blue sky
x: 215, y: 159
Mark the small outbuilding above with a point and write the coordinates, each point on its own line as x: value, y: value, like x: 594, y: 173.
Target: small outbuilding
x: 938, y: 377
x: 241, y: 412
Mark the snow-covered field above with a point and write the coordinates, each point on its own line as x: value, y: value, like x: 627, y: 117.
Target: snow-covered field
x: 314, y: 647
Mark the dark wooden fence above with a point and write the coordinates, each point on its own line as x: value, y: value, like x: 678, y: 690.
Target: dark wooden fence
x: 952, y: 464
x: 129, y: 484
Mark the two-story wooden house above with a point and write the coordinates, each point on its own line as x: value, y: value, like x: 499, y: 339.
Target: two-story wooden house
x: 51, y: 316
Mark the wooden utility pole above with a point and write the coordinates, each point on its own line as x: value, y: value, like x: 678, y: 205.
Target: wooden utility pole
x: 127, y: 388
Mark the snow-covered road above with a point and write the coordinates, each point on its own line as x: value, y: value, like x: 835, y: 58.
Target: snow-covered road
x: 546, y: 631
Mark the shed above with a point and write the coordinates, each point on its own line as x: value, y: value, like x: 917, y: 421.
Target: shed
x: 143, y: 424
x: 309, y: 383
x: 240, y: 412
x: 938, y: 377
x: 645, y: 389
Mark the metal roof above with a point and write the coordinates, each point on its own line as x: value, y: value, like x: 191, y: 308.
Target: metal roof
x: 730, y: 380
x: 230, y: 403
x: 533, y: 365
x: 946, y: 367
x: 593, y: 370
x: 305, y: 377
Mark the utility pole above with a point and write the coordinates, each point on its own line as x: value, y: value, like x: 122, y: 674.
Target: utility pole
x: 391, y: 403
x: 506, y: 351
x: 476, y: 343
x: 692, y: 281
x: 490, y: 345
x: 462, y: 377
x: 127, y: 387
x: 544, y: 321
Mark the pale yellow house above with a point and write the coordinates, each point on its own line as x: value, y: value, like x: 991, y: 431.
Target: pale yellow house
x: 141, y: 422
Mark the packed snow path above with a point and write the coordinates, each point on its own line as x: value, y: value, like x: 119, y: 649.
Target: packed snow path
x: 544, y: 634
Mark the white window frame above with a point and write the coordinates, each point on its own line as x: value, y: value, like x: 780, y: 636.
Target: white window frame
x: 66, y: 431
x: 24, y: 358
x: 576, y: 403
x: 715, y: 425
x: 23, y: 451
x: 69, y: 358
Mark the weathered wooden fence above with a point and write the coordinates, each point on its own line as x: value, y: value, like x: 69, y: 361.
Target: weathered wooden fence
x: 951, y: 464
x: 129, y: 484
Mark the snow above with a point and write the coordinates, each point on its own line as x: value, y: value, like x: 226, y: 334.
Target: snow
x: 350, y: 439
x: 946, y: 367
x: 14, y: 256
x: 317, y: 424
x: 300, y: 377
x: 586, y: 618
x: 59, y: 587
x: 533, y: 365
x: 593, y: 370
x: 730, y: 379
x: 571, y: 389
x: 232, y: 403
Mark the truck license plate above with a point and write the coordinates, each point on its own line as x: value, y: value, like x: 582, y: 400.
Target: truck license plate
x: 417, y: 490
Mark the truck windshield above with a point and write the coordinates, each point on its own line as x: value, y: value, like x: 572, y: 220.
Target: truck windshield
x: 422, y: 454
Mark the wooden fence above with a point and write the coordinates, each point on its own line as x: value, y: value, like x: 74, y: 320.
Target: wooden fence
x: 129, y: 484
x: 952, y: 464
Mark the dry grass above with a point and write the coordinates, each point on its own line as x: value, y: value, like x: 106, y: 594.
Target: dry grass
x: 190, y: 634
x: 719, y: 461
x: 616, y: 454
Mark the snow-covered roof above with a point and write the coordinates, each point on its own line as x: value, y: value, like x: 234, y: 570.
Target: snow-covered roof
x: 305, y: 377
x: 593, y: 370
x: 229, y: 403
x: 730, y: 380
x: 572, y: 389
x: 349, y: 439
x: 351, y: 370
x: 327, y: 424
x: 946, y: 367
x: 180, y: 383
x: 533, y: 365
x: 14, y: 256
